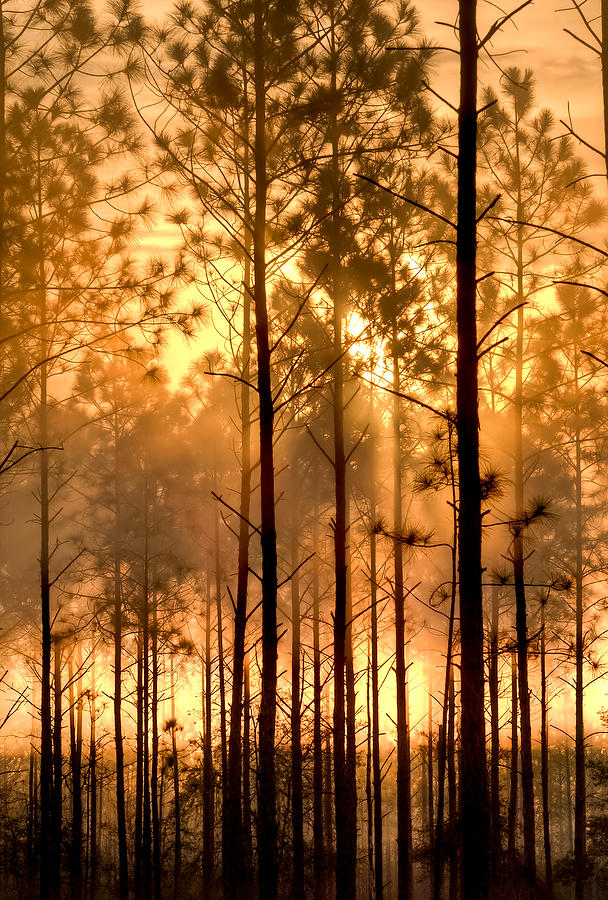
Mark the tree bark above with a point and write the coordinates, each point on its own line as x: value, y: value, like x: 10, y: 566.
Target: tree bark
x: 208, y: 775
x: 267, y: 823
x: 493, y: 686
x: 297, y: 800
x: 544, y: 753
x: 513, y: 769
x: 404, y: 803
x: 234, y: 877
x: 474, y: 790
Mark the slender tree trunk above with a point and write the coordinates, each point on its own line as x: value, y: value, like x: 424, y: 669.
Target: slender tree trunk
x: 121, y: 817
x: 513, y: 769
x: 177, y: 847
x: 429, y: 761
x: 495, y: 740
x: 75, y: 720
x: 475, y: 811
x: 404, y: 808
x: 49, y: 827
x: 247, y: 814
x: 544, y: 753
x: 267, y: 823
x: 156, y: 824
x: 604, y: 58
x: 518, y: 570
x: 569, y: 799
x: 446, y: 731
x: 208, y: 775
x: 57, y: 767
x: 234, y: 878
x: 368, y: 780
x: 452, y: 791
x: 527, y: 782
x: 139, y: 769
x: 297, y: 801
x: 93, y: 800
x: 327, y: 794
x: 146, y: 820
x: 220, y: 666
x: 32, y: 808
x: 377, y: 772
x: 319, y: 854
x: 580, y: 789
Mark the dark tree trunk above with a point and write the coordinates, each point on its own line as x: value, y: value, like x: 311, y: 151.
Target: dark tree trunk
x: 495, y: 740
x: 146, y: 817
x: 297, y: 801
x: 48, y: 826
x: 429, y: 762
x: 247, y: 814
x: 604, y: 58
x: 452, y: 791
x: 580, y: 788
x: 235, y: 880
x: 93, y: 798
x: 513, y: 769
x: 527, y: 776
x: 57, y: 768
x: 369, y: 818
x: 377, y: 773
x: 319, y: 854
x: 139, y: 770
x: 177, y: 845
x: 75, y: 720
x: 221, y: 671
x: 474, y: 790
x: 267, y: 822
x: 544, y: 754
x: 121, y: 818
x: 446, y: 731
x: 156, y: 824
x: 404, y: 803
x: 208, y: 775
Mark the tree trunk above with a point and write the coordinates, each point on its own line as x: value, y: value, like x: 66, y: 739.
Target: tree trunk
x: 319, y: 852
x: 297, y: 801
x: 580, y: 788
x: 404, y: 807
x: 221, y: 671
x: 267, y: 824
x: 527, y: 776
x: 495, y: 740
x: 75, y: 720
x: 474, y: 789
x: 514, y: 769
x: 247, y: 815
x: 121, y: 818
x: 429, y: 763
x: 446, y: 731
x: 156, y: 824
x: 177, y: 847
x: 49, y: 827
x: 93, y: 800
x: 208, y: 775
x: 139, y: 769
x: 452, y: 791
x: 57, y: 768
x: 544, y: 753
x: 234, y: 877
x: 377, y: 772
